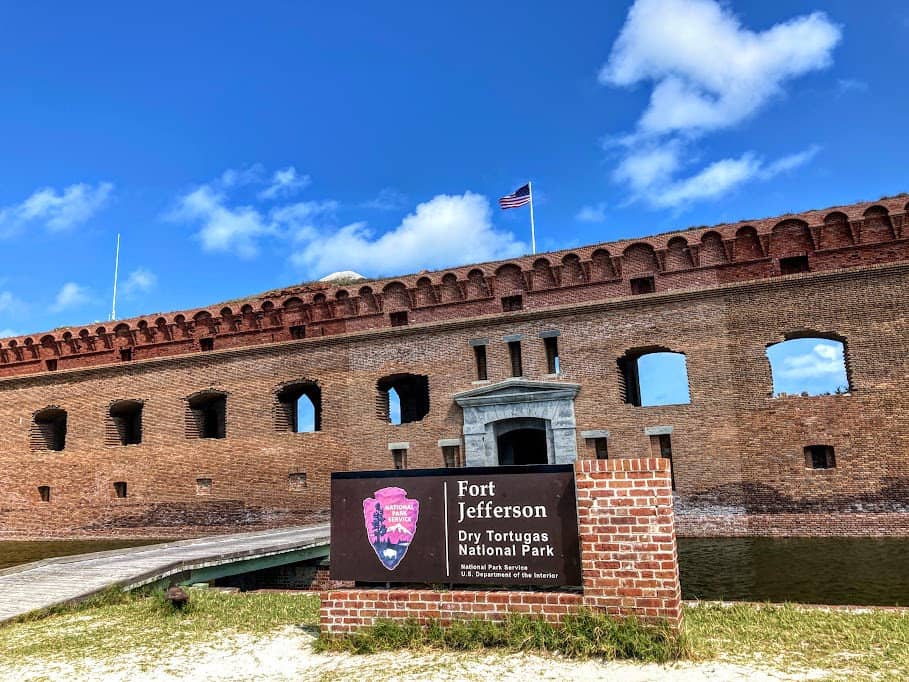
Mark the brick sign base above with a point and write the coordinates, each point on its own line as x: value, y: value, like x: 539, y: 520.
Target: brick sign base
x: 628, y: 559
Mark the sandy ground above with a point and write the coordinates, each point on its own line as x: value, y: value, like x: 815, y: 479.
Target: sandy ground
x: 288, y: 655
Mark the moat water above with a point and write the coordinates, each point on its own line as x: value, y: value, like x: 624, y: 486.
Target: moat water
x: 807, y: 570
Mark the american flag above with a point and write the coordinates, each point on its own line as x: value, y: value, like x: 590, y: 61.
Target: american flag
x: 519, y: 197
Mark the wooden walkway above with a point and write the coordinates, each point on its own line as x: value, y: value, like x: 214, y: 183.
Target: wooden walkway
x: 51, y: 582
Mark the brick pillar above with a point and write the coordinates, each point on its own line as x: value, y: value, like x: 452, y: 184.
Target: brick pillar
x: 628, y: 552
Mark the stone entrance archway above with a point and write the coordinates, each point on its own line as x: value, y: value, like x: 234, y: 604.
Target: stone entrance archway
x: 492, y: 412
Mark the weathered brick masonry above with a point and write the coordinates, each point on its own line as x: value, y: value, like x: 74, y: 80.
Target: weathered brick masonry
x: 719, y: 298
x: 628, y: 560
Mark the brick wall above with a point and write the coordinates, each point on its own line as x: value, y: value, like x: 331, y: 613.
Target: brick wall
x: 346, y: 611
x: 818, y: 524
x: 628, y: 560
x: 737, y: 451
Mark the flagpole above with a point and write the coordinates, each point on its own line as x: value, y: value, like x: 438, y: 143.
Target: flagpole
x: 113, y: 307
x: 533, y: 234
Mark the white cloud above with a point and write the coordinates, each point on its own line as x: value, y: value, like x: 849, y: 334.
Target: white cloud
x: 846, y: 85
x: 788, y: 163
x: 388, y: 199
x: 56, y: 210
x: 649, y: 167
x: 651, y: 175
x: 284, y: 183
x: 10, y: 307
x: 708, y: 70
x: 238, y: 177
x: 8, y: 302
x: 823, y: 360
x: 713, y: 181
x: 304, y: 219
x: 71, y: 295
x: 139, y: 281
x: 592, y: 214
x: 222, y: 227
x: 708, y: 73
x: 446, y: 230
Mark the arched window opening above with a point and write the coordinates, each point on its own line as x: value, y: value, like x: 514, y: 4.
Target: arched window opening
x: 299, y: 408
x: 402, y: 398
x: 656, y: 376
x: 49, y: 429
x: 207, y: 416
x: 808, y: 366
x: 125, y: 423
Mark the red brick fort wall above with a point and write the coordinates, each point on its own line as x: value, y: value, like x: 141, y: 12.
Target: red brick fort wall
x: 720, y: 299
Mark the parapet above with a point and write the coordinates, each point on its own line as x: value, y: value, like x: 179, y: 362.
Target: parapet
x: 860, y: 234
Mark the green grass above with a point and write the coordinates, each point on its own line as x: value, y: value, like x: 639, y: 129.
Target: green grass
x: 852, y: 645
x: 142, y: 631
x: 113, y: 624
x: 585, y: 635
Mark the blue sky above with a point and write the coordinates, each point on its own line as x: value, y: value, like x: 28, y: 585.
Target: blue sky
x: 241, y: 147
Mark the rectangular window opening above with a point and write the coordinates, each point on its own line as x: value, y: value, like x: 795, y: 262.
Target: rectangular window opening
x: 120, y: 489
x: 601, y: 448
x: 514, y: 352
x: 44, y: 493
x: 399, y: 457
x: 661, y: 446
x: 297, y: 481
x: 452, y: 455
x: 298, y: 332
x: 203, y: 486
x: 479, y: 354
x: 127, y: 419
x: 126, y: 354
x: 207, y: 417
x: 551, y: 344
x: 511, y: 304
x: 398, y: 319
x: 793, y: 265
x: 642, y: 285
x: 820, y: 457
x: 51, y: 365
x: 207, y: 344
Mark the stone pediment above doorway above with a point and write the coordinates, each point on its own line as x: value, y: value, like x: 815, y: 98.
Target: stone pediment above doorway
x: 517, y: 390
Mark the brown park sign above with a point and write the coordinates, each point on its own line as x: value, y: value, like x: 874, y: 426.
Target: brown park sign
x: 506, y: 525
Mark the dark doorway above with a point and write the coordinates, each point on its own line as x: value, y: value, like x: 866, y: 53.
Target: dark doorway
x: 523, y: 446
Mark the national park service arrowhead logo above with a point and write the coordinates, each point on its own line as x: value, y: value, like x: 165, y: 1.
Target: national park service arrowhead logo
x: 391, y: 522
